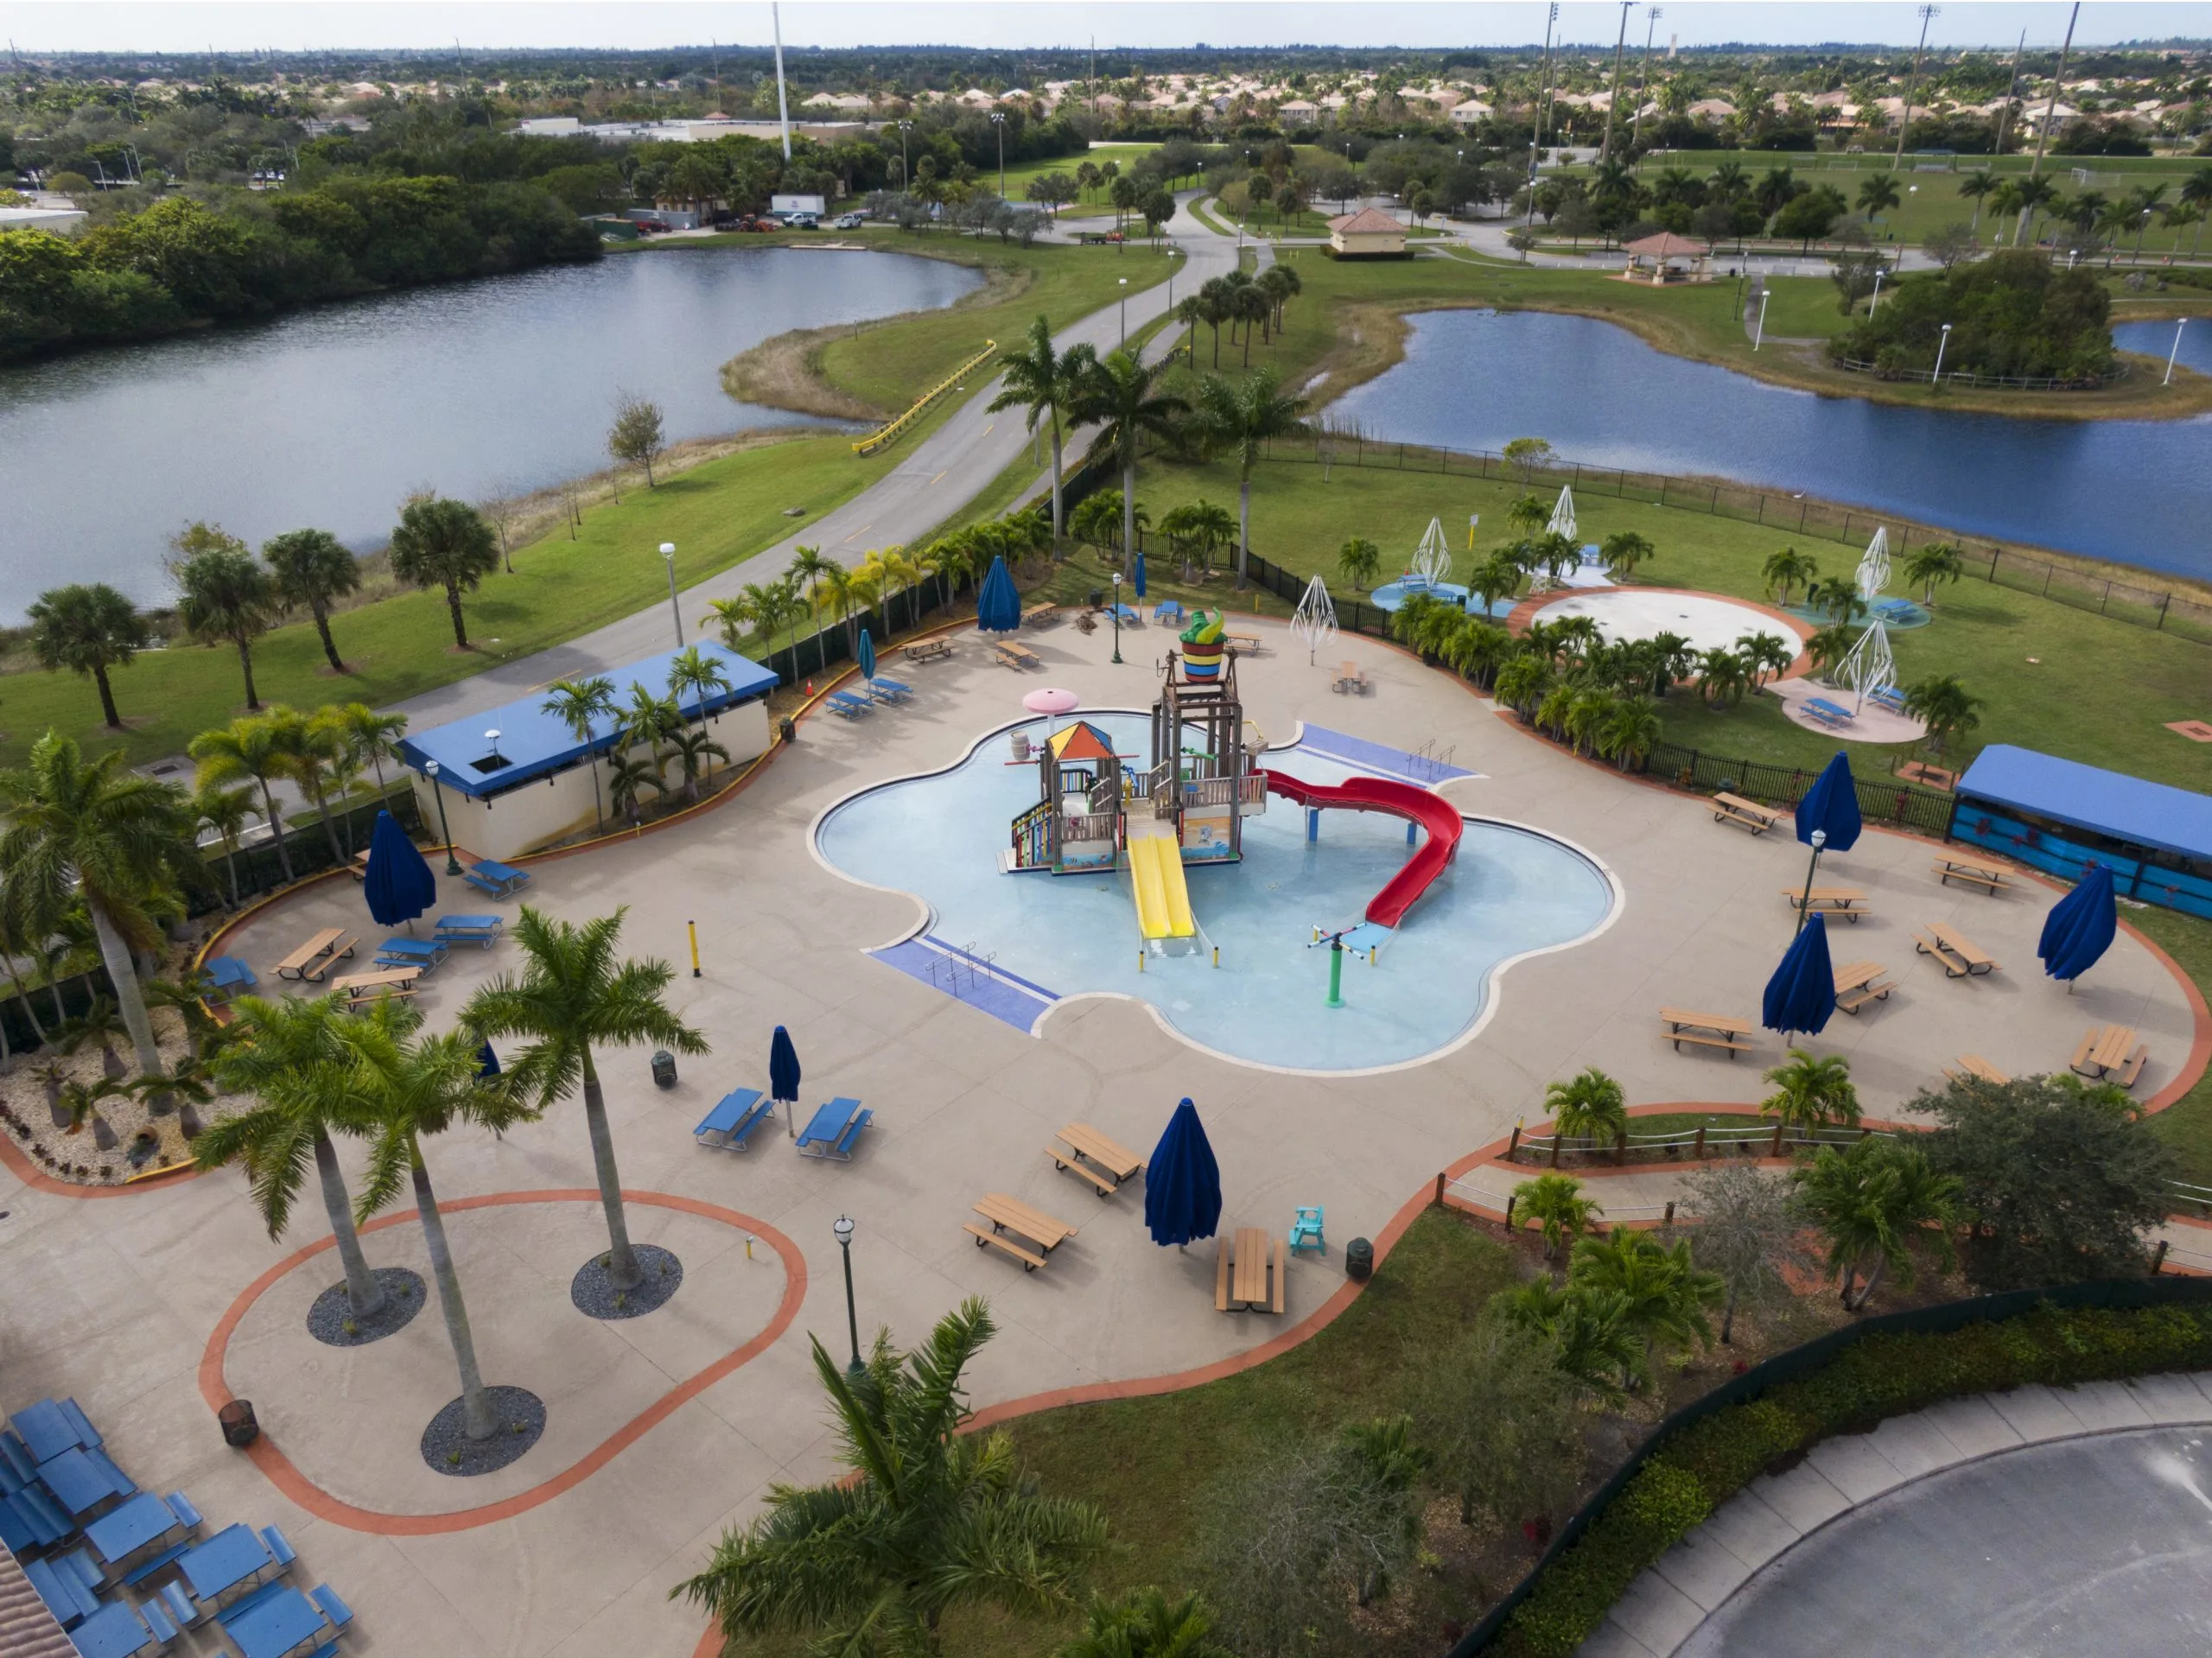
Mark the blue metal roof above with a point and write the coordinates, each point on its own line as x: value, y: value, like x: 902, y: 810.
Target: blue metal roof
x: 533, y: 744
x: 2089, y: 797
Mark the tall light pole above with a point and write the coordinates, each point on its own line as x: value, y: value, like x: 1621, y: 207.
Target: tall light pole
x: 905, y: 174
x: 1759, y: 338
x: 1620, y: 43
x: 1643, y: 79
x: 1117, y: 613
x: 844, y: 1228
x: 1875, y: 304
x: 1911, y: 85
x: 1125, y: 309
x: 1804, y: 909
x: 783, y: 105
x: 430, y: 770
x: 998, y: 121
x: 1935, y: 380
x: 1543, y: 103
x: 2175, y: 352
x: 668, y: 557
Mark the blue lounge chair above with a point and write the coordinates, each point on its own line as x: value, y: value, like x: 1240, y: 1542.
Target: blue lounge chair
x: 335, y: 1609
x: 497, y: 878
x: 851, y: 707
x: 888, y: 690
x: 1305, y: 1230
x: 179, y: 1600
x: 834, y: 1130
x: 727, y: 1127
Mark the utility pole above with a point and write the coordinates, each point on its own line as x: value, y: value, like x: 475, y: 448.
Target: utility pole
x: 714, y: 47
x: 2050, y: 105
x: 1911, y: 85
x: 1605, y: 147
x: 1643, y: 79
x: 2011, y: 92
x: 1093, y: 77
x: 783, y: 104
x: 1542, y: 109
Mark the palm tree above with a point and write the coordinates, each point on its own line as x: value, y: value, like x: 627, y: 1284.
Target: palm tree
x: 628, y: 777
x: 1359, y: 560
x: 572, y: 994
x: 313, y: 746
x: 1878, y: 194
x: 444, y: 543
x: 1593, y: 1337
x: 1115, y: 394
x: 1869, y: 1202
x: 1521, y: 683
x: 579, y: 704
x: 1145, y: 1623
x: 411, y: 1087
x: 1665, y: 1291
x: 809, y: 566
x: 652, y: 720
x: 370, y: 734
x: 292, y: 1057
x: 836, y: 592
x: 2196, y: 191
x: 1629, y: 731
x: 1527, y: 516
x: 1556, y: 1204
x: 1624, y: 550
x: 2029, y: 195
x: 93, y: 832
x: 696, y: 751
x: 1190, y: 311
x: 693, y: 670
x: 1721, y: 678
x: 1496, y: 577
x: 1940, y: 702
x: 1763, y: 654
x: 1812, y: 1092
x: 1043, y: 381
x: 246, y: 750
x: 225, y: 811
x: 312, y: 569
x: 1936, y: 561
x: 1839, y: 596
x: 1590, y: 1106
x: 1785, y: 570
x: 87, y: 630
x: 223, y: 594
x: 1240, y: 417
x: 1830, y: 645
x: 1975, y: 187
x: 930, y: 1520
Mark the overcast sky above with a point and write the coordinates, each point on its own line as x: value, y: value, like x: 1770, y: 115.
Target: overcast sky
x: 189, y: 25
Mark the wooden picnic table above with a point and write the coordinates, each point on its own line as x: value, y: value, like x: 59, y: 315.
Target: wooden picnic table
x: 1858, y: 983
x: 1959, y: 955
x: 1087, y: 1146
x: 2104, y: 1053
x: 317, y: 955
x: 1244, y: 1279
x: 1037, y: 614
x: 1011, y: 1215
x: 1349, y: 677
x: 1747, y: 814
x: 1849, y: 902
x: 1724, y: 1031
x: 364, y: 987
x: 1015, y: 654
x: 357, y: 866
x: 1973, y: 1065
x: 1984, y: 875
x: 1247, y: 643
x: 928, y: 650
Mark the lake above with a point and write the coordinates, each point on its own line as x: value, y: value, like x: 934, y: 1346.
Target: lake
x: 2133, y: 492
x: 331, y: 416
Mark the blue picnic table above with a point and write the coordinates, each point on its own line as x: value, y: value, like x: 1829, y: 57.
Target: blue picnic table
x: 234, y: 1555
x: 47, y: 1430
x: 277, y: 1626
x: 114, y: 1631
x: 145, y: 1519
x: 731, y: 1123
x: 835, y: 1128
x: 500, y: 881
x: 482, y: 930
x: 78, y: 1483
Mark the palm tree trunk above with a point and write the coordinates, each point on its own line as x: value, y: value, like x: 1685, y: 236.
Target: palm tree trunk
x: 107, y: 698
x: 1059, y: 519
x: 363, y: 1293
x: 476, y: 1408
x: 329, y: 827
x: 245, y: 663
x: 128, y: 1000
x: 231, y: 867
x: 622, y: 1270
x: 1728, y: 1318
x: 1866, y: 1293
x: 1130, y: 503
x: 330, y: 649
x: 453, y: 604
x: 1243, y: 527
x: 598, y: 811
x: 23, y: 996
x: 275, y: 827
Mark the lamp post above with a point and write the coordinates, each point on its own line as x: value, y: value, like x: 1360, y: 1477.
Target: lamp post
x: 998, y: 121
x: 2175, y: 352
x: 1765, y: 294
x: 668, y: 557
x: 844, y: 1228
x: 1117, y: 614
x: 1172, y: 251
x: 1805, y: 908
x: 1875, y: 304
x: 430, y: 770
x: 1935, y: 380
x: 1124, y: 282
x: 906, y: 174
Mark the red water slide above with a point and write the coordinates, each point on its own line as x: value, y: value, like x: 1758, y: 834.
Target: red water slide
x: 1443, y: 822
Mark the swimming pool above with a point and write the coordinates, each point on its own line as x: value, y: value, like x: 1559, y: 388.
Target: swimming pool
x: 1510, y: 893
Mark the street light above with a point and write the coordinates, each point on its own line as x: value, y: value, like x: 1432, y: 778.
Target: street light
x: 453, y: 864
x: 2175, y: 352
x: 998, y: 120
x: 1820, y: 840
x: 1172, y: 251
x: 1765, y: 294
x: 668, y: 557
x: 906, y: 177
x: 1935, y: 380
x: 1125, y: 309
x: 1875, y: 304
x: 1117, y: 615
x: 844, y: 1228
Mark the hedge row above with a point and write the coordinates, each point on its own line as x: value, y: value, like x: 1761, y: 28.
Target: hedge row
x: 1706, y: 1463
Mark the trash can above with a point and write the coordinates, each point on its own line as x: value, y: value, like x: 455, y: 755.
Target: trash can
x: 663, y: 1067
x: 787, y: 728
x: 1098, y: 597
x: 1359, y: 1259
x: 239, y: 1428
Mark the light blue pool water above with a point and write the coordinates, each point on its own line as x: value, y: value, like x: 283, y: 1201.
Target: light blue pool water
x: 1510, y: 892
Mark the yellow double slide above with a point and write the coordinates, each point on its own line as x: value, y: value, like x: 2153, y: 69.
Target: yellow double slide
x: 1156, y: 877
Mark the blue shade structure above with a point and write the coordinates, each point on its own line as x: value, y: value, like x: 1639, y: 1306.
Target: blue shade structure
x: 1800, y: 996
x: 2080, y: 926
x: 867, y: 656
x: 998, y: 607
x: 1138, y: 575
x: 398, y: 885
x: 1182, y: 1183
x: 1832, y: 804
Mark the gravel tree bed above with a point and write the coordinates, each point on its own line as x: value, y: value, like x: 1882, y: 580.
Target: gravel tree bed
x: 448, y: 1450
x: 595, y: 1296
x: 329, y: 1319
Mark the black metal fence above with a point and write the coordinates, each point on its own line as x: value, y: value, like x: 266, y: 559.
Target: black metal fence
x: 261, y: 870
x: 2124, y: 1293
x: 24, y: 1029
x: 2112, y: 376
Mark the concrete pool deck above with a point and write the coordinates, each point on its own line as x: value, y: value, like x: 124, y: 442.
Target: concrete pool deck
x: 666, y: 1429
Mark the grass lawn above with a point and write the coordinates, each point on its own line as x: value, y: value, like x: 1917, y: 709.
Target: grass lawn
x: 1018, y: 173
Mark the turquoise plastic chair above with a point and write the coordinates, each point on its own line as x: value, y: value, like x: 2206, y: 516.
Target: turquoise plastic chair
x: 1305, y: 1230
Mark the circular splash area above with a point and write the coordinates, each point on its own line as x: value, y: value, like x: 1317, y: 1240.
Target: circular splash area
x: 1391, y: 594
x: 1708, y: 621
x: 1898, y: 615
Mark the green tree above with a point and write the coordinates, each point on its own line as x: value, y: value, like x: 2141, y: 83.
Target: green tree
x: 580, y: 704
x: 1556, y: 1205
x: 314, y: 753
x: 1839, y: 596
x: 249, y: 749
x: 1667, y: 1292
x: 1788, y: 568
x: 627, y: 779
x: 225, y: 811
x: 1528, y: 456
x: 440, y: 543
x: 1933, y: 562
x: 1239, y: 418
x: 1764, y: 654
x: 1588, y: 1106
x: 1629, y: 730
x: 1871, y: 1203
x: 290, y: 1054
x: 223, y: 593
x: 313, y: 570
x: 1721, y: 678
x: 1117, y: 395
x: 87, y: 628
x: 1043, y: 382
x: 1499, y: 1417
x: 368, y: 733
x: 571, y: 996
x: 693, y: 672
x: 1976, y: 188
x: 1812, y: 1092
x: 1878, y: 194
x: 1359, y: 560
x: 1145, y: 1623
x: 1942, y: 705
x: 1591, y: 1332
x: 1623, y: 551
x: 929, y: 1520
x: 412, y: 1087
x: 638, y: 436
x: 1747, y: 1231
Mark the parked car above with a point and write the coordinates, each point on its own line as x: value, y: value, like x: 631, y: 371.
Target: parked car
x: 803, y: 222
x: 850, y: 221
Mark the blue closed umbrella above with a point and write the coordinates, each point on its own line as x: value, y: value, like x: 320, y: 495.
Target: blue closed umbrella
x: 397, y: 885
x: 783, y: 1072
x: 1139, y: 575
x: 867, y: 656
x: 487, y: 1062
x: 1182, y: 1183
x: 1832, y: 804
x: 1800, y: 996
x: 2079, y: 927
x: 998, y: 606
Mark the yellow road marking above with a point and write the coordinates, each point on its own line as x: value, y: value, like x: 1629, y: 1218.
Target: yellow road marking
x: 857, y: 534
x: 934, y: 480
x: 987, y: 430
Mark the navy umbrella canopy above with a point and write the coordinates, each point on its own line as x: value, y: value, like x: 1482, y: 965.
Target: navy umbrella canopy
x: 398, y: 885
x: 1182, y: 1183
x: 1832, y: 804
x: 998, y: 606
x: 867, y: 656
x: 783, y: 1074
x: 1800, y: 996
x: 1140, y: 574
x: 2080, y: 926
x: 487, y: 1062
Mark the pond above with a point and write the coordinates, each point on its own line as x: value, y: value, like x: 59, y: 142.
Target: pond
x: 2133, y: 492
x: 331, y: 416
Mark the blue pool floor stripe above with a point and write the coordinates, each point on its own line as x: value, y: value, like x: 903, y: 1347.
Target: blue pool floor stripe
x: 989, y: 989
x: 1379, y: 757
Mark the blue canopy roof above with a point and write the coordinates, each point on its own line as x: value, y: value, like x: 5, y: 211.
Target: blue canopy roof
x: 2089, y: 797
x: 534, y: 744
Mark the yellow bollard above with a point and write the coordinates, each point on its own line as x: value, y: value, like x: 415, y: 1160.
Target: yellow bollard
x: 1139, y: 961
x: 1217, y: 956
x: 748, y: 1246
x: 694, y: 927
